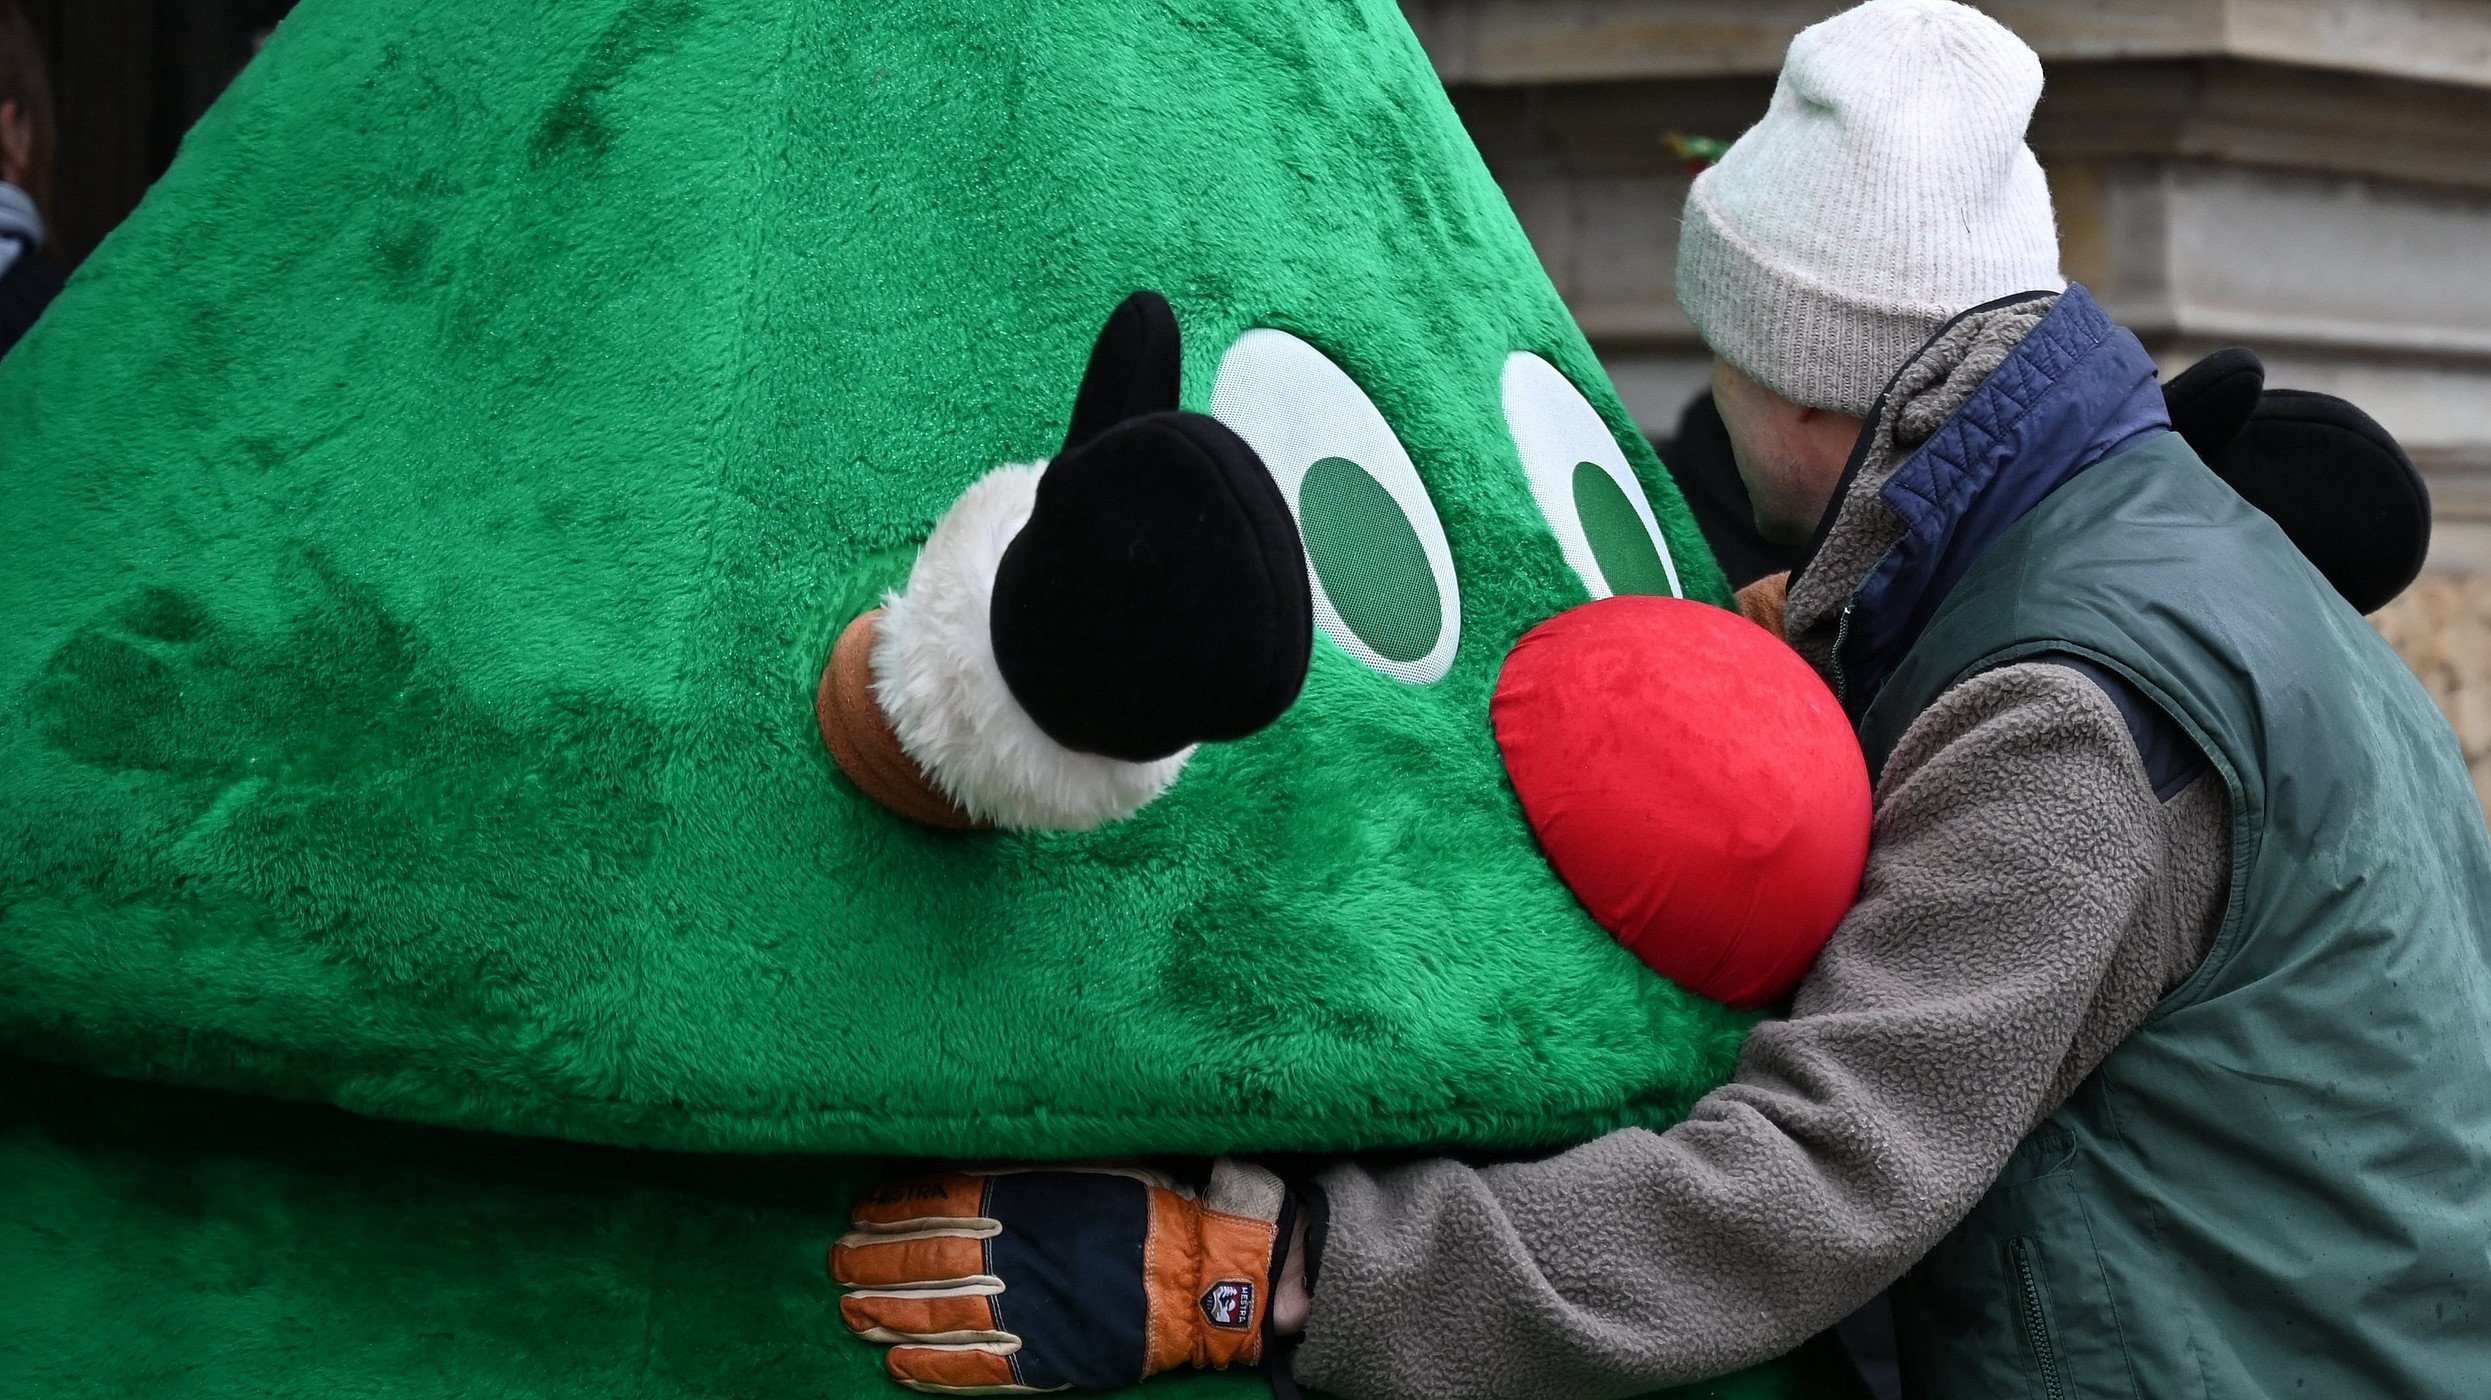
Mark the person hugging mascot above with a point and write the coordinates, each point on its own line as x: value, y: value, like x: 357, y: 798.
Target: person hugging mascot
x: 615, y: 619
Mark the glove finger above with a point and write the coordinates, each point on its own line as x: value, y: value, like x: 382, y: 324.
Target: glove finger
x: 942, y: 1315
x: 969, y: 1370
x: 930, y: 1260
x: 953, y: 1198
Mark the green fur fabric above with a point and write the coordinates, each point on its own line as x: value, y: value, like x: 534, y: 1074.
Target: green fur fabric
x: 425, y: 523
x: 183, y: 1243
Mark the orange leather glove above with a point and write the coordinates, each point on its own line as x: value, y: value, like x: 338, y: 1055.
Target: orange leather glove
x: 1090, y: 1277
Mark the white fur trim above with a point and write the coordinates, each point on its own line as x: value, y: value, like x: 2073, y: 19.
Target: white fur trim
x: 935, y: 675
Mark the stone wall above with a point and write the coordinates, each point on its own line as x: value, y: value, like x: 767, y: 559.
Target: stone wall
x: 2311, y: 178
x: 2443, y: 628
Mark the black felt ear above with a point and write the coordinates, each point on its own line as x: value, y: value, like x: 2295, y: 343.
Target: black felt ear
x: 2340, y: 486
x: 1158, y: 596
x: 1135, y: 368
x: 2211, y: 400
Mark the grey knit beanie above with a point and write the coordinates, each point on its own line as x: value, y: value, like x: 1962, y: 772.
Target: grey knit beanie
x: 1887, y: 188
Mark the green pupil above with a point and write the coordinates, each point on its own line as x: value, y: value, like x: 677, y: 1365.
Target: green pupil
x: 1368, y: 556
x: 1628, y: 559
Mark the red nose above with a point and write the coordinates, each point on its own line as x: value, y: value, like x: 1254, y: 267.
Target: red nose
x: 1694, y: 784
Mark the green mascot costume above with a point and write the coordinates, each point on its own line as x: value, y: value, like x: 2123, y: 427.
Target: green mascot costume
x: 440, y: 954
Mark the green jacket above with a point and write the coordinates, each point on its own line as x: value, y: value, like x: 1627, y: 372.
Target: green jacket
x: 2281, y: 1184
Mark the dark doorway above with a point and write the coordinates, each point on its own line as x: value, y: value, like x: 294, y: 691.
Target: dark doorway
x: 128, y: 78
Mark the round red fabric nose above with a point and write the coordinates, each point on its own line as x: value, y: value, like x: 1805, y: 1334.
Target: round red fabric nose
x: 1694, y: 784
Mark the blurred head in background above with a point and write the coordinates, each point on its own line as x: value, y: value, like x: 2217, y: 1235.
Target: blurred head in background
x: 27, y: 282
x: 26, y: 133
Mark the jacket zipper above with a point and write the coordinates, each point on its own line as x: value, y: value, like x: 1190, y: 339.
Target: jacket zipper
x: 1842, y: 634
x: 2036, y: 1324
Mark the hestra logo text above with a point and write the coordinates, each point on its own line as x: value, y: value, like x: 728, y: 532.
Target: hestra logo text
x: 1230, y: 1303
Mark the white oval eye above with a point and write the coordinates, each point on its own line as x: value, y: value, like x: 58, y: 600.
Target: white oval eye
x: 1375, y: 551
x: 1604, y: 526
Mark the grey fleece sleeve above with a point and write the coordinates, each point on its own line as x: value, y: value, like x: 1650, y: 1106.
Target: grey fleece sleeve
x: 2018, y: 845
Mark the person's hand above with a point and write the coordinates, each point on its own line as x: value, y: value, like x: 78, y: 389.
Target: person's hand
x: 1765, y: 601
x: 1091, y: 1277
x: 1293, y: 1292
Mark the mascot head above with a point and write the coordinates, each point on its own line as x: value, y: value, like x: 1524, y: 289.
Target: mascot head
x: 433, y: 521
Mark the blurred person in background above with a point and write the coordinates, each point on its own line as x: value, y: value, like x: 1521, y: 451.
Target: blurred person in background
x: 27, y: 280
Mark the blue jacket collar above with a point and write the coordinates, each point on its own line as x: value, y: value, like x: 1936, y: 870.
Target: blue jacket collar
x: 2077, y: 390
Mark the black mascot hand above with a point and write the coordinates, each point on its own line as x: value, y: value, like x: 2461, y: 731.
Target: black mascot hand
x: 2337, y: 482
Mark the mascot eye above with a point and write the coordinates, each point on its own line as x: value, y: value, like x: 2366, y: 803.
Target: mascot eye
x: 1603, y: 524
x: 1382, y: 572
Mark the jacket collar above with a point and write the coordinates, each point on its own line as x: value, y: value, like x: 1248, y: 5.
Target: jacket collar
x: 2077, y: 390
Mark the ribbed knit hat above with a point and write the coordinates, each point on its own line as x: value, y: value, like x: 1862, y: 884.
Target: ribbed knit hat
x: 1887, y: 188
